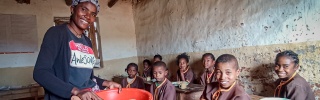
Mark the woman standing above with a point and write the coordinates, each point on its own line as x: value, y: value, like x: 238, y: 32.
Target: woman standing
x: 65, y: 62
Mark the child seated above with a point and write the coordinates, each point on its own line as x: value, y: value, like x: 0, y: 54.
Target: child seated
x: 147, y: 71
x: 162, y: 89
x: 156, y: 58
x: 132, y: 81
x: 208, y: 61
x: 226, y: 88
x: 184, y: 73
x: 290, y: 84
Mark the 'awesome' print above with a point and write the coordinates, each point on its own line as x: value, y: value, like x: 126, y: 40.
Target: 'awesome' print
x: 82, y: 56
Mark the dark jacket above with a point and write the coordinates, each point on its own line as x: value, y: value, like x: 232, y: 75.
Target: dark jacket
x: 52, y: 66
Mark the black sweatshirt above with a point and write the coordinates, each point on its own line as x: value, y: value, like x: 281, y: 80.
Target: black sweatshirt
x: 52, y: 69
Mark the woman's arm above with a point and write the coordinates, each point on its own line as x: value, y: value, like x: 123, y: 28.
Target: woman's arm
x: 43, y: 71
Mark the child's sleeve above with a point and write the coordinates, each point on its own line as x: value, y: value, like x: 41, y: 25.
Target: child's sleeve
x: 202, y: 81
x: 151, y: 90
x: 177, y: 76
x: 142, y: 84
x: 203, y: 96
x: 297, y: 93
x: 170, y: 93
x: 189, y: 77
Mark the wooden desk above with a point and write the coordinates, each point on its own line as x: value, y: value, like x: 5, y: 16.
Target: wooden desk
x: 193, y: 92
x: 23, y: 92
x: 118, y: 79
x: 255, y: 97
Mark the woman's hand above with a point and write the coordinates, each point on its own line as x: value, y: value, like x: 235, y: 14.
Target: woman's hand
x: 88, y: 95
x: 112, y: 85
x: 85, y: 94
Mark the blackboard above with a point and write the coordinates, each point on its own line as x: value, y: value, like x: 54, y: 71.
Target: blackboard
x: 18, y: 33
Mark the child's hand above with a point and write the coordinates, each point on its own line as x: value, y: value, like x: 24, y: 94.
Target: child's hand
x: 181, y: 71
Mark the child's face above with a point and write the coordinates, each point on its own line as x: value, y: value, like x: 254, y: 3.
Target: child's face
x: 227, y: 74
x: 159, y: 73
x: 183, y: 63
x: 156, y: 59
x: 145, y: 65
x: 208, y: 62
x: 285, y: 67
x: 131, y: 71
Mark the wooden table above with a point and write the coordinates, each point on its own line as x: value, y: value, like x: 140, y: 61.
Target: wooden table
x: 192, y: 92
x: 22, y: 92
x: 118, y: 79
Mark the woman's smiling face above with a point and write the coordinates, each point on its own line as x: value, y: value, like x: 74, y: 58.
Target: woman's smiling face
x: 83, y: 15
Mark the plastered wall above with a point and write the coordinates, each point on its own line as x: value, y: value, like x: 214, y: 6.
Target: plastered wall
x: 175, y: 26
x: 252, y: 30
x: 118, y: 40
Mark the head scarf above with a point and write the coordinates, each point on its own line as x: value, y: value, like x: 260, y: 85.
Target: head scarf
x: 95, y: 2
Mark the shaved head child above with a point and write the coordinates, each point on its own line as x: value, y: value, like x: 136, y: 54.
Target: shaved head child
x: 226, y: 88
x: 162, y: 89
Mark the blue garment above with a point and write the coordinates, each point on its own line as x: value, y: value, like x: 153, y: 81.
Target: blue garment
x: 52, y: 68
x: 82, y: 61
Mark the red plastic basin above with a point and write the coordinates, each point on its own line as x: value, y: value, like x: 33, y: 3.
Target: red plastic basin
x: 125, y: 94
